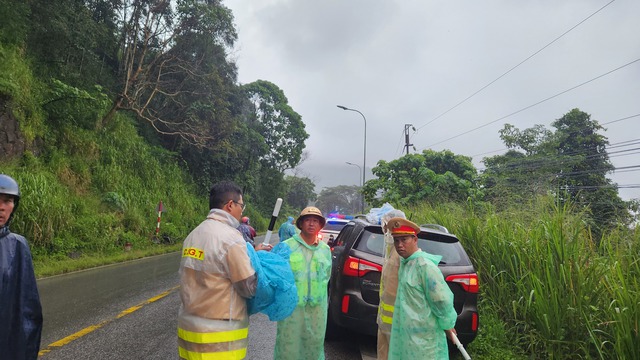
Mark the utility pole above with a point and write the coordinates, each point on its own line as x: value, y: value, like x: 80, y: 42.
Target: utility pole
x: 406, y: 136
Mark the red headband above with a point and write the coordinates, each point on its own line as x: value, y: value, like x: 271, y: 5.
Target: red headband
x: 403, y: 230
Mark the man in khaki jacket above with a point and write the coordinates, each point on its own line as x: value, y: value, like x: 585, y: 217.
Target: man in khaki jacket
x: 216, y: 278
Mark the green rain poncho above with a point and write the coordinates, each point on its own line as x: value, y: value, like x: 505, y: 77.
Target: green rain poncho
x: 301, y: 335
x: 423, y: 310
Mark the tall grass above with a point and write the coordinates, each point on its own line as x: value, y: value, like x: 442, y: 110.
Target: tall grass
x: 92, y: 192
x: 559, y: 295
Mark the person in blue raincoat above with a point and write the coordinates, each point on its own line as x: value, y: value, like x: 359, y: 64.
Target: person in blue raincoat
x: 301, y: 335
x: 423, y: 312
x: 287, y: 230
x: 20, y: 310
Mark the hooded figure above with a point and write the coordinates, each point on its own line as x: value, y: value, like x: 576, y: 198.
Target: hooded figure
x: 20, y: 310
x: 301, y: 335
x: 287, y: 229
x: 423, y: 310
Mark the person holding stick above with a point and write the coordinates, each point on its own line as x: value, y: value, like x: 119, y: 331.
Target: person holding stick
x: 423, y: 311
x: 301, y: 335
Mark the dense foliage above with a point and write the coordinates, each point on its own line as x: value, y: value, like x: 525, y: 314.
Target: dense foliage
x: 559, y: 295
x: 431, y: 176
x: 125, y: 103
x: 570, y: 162
x: 340, y: 199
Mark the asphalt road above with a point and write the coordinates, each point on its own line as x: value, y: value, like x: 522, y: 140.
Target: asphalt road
x: 129, y: 311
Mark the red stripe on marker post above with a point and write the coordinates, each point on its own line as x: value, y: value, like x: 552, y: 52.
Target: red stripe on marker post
x: 160, y: 208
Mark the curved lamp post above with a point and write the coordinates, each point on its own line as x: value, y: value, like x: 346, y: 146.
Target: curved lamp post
x: 362, y: 194
x: 359, y: 169
x: 364, y: 162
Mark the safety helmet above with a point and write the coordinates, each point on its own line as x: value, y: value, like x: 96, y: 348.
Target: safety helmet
x: 8, y: 186
x: 245, y: 219
x: 311, y: 211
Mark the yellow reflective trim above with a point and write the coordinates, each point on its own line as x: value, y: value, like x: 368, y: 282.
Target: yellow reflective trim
x: 213, y: 337
x: 220, y: 355
x: 386, y: 307
x: 386, y: 319
x: 195, y: 253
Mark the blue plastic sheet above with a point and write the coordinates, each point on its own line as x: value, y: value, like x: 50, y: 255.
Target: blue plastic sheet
x: 276, y: 294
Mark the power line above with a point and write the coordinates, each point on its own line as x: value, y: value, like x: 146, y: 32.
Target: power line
x: 608, y: 147
x: 626, y: 118
x: 539, y: 102
x: 627, y: 168
x: 399, y: 147
x: 513, y: 68
x: 537, y: 162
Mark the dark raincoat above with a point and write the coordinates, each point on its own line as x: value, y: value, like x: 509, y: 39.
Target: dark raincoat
x: 20, y: 310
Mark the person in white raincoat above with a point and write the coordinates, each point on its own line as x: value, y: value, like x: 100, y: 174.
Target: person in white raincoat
x: 424, y: 303
x: 301, y: 336
x: 216, y: 279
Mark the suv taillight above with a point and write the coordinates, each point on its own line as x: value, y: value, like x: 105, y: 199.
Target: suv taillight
x: 469, y: 282
x: 359, y: 267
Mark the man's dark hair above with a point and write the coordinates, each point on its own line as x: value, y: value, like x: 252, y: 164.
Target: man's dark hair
x: 222, y: 192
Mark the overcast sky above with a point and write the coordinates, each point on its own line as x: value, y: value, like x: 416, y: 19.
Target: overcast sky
x: 408, y: 62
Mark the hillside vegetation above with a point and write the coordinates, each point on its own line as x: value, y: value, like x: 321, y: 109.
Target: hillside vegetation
x: 110, y: 107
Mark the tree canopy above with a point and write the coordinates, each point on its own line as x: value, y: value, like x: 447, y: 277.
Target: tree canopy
x: 570, y: 162
x: 343, y: 199
x: 430, y: 176
x: 166, y: 66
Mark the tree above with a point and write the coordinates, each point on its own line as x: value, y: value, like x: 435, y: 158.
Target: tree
x: 74, y: 40
x: 570, y: 162
x: 343, y: 199
x: 432, y: 176
x: 173, y: 65
x: 300, y: 191
x: 280, y: 126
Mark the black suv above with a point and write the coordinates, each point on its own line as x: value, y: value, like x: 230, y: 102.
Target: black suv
x: 357, y: 267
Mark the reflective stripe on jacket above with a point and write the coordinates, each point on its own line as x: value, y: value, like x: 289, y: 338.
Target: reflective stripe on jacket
x: 213, y: 322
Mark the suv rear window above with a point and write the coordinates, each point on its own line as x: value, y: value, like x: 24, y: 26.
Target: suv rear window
x: 372, y: 242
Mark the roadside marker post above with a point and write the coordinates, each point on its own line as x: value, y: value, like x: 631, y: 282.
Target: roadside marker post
x: 274, y: 216
x: 160, y: 210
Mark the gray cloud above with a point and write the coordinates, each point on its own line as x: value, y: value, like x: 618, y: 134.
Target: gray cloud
x: 406, y: 62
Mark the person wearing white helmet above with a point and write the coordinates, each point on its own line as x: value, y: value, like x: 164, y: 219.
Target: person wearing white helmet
x: 301, y: 336
x: 20, y: 309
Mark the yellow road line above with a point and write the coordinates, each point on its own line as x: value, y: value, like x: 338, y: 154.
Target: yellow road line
x: 90, y: 329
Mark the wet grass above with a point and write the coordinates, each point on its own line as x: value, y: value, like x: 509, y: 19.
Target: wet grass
x: 45, y: 267
x: 559, y: 293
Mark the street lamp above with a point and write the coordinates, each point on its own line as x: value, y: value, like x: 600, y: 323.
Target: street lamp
x: 364, y: 162
x: 361, y: 193
x: 359, y: 169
